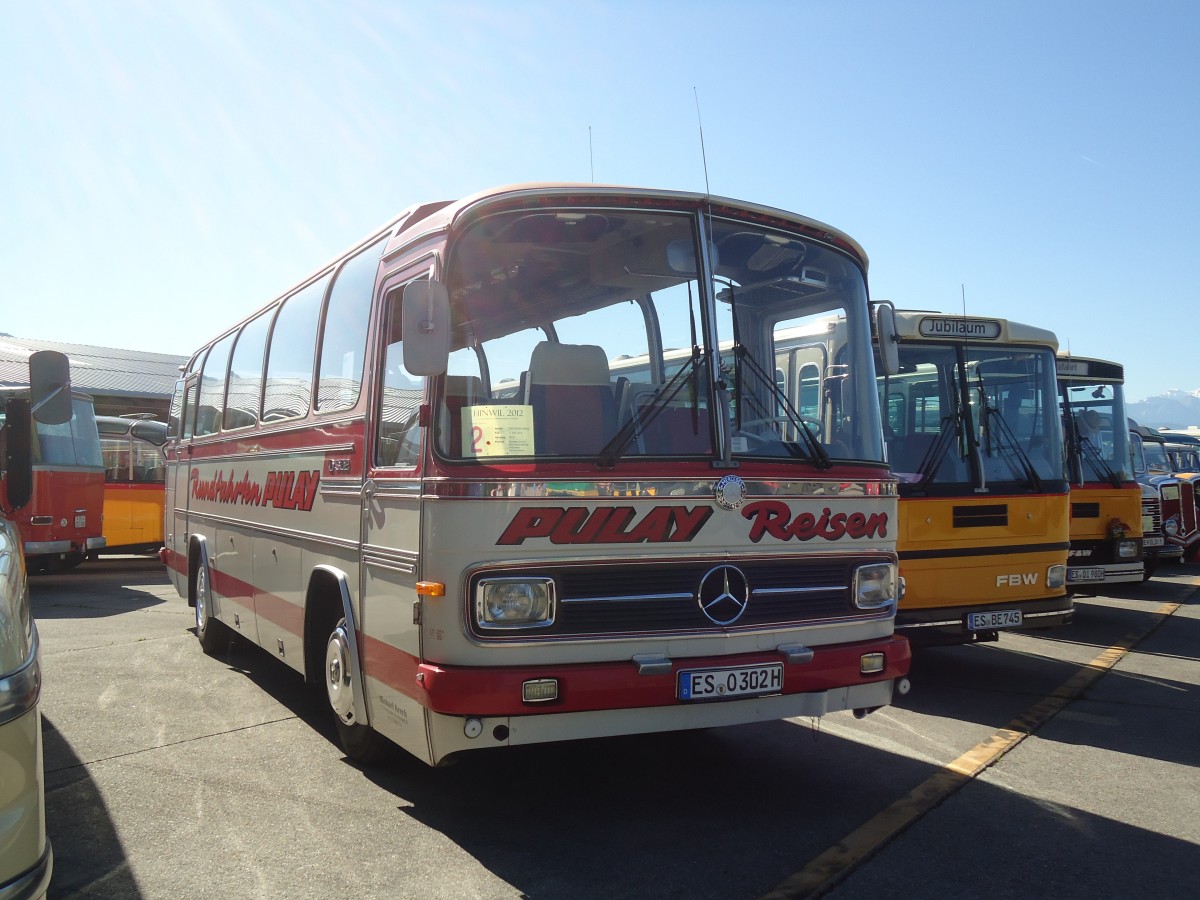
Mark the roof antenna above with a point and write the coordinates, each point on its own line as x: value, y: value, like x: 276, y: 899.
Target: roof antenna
x: 964, y: 298
x: 703, y: 155
x: 591, y: 156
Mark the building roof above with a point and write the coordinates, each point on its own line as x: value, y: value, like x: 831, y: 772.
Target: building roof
x: 95, y: 370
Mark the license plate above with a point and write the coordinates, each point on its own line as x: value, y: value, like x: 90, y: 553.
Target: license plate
x: 1153, y: 540
x: 1000, y: 618
x: 736, y: 681
x: 1085, y: 574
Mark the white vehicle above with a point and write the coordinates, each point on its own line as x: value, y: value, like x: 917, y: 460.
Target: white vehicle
x: 26, y: 859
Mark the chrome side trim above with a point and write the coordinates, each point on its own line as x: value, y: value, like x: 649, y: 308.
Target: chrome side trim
x: 691, y: 489
x: 20, y: 689
x: 375, y: 562
x: 272, y: 531
x: 766, y: 592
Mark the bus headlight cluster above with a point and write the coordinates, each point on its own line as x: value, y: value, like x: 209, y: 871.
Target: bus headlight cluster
x: 1127, y: 550
x: 875, y: 585
x: 1056, y: 576
x: 514, y: 602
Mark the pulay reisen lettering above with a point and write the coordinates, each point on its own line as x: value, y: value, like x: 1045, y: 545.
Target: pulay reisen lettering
x: 680, y: 524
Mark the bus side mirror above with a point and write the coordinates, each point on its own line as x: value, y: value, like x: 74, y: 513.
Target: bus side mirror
x: 889, y: 342
x: 18, y: 452
x: 50, y: 387
x: 426, y: 327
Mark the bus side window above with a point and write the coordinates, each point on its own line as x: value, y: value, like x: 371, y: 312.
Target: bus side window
x: 291, y: 349
x: 212, y: 387
x: 245, y: 374
x: 344, y: 331
x: 399, y: 434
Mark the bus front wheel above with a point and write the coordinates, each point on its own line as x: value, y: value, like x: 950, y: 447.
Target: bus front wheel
x: 362, y: 743
x: 214, y: 636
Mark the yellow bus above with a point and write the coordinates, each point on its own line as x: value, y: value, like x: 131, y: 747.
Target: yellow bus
x: 1106, y: 502
x: 134, y: 483
x: 972, y: 425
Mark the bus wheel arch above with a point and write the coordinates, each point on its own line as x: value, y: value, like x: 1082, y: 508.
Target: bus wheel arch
x: 214, y: 636
x: 331, y: 660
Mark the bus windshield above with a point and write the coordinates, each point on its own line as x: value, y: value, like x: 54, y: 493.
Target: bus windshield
x: 1097, y: 452
x: 594, y: 333
x: 977, y: 415
x: 73, y: 443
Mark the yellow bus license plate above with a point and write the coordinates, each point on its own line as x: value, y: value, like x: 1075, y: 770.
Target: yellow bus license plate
x: 999, y: 618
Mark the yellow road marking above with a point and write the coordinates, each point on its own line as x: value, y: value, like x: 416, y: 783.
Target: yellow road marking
x: 832, y: 866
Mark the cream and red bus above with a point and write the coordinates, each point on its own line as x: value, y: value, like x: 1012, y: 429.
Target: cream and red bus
x: 974, y: 434
x: 418, y: 479
x: 1107, y: 518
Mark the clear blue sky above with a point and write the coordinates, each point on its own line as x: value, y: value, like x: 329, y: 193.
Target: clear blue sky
x: 166, y: 167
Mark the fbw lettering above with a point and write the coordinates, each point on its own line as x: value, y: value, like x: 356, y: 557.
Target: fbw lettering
x: 1019, y: 579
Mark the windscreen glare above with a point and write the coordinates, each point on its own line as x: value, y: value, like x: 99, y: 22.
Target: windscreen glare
x: 961, y: 414
x: 596, y: 333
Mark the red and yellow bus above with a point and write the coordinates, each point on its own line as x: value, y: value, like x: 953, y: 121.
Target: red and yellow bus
x: 416, y: 478
x: 134, y: 482
x: 1106, y: 501
x: 52, y: 483
x: 973, y: 431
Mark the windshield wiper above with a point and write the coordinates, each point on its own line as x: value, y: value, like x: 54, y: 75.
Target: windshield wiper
x: 641, y: 418
x: 949, y: 430
x: 1009, y: 439
x: 817, y: 452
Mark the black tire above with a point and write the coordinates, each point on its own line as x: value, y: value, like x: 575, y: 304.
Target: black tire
x: 1148, y: 567
x: 212, y: 633
x: 362, y: 743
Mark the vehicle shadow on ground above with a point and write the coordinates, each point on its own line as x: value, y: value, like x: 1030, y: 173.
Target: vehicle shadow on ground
x: 77, y: 817
x: 99, y: 588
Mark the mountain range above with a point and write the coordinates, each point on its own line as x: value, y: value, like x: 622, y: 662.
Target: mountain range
x: 1174, y: 409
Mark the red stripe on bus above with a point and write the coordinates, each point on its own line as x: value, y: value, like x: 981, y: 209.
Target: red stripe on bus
x: 496, y: 691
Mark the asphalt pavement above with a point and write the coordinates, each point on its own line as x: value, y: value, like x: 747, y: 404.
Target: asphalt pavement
x: 1053, y: 764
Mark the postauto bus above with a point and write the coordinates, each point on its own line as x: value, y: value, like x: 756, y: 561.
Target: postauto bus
x: 974, y: 434
x: 134, y: 482
x: 60, y: 517
x: 415, y: 478
x: 1106, y: 501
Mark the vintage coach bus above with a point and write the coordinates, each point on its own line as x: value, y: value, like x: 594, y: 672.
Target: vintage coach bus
x: 974, y: 434
x: 419, y: 478
x: 1106, y: 501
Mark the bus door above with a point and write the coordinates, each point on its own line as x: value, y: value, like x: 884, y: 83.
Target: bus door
x: 177, y: 499
x: 391, y: 541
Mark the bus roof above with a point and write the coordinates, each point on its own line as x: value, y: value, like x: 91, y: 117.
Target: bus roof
x: 932, y: 325
x: 450, y: 216
x: 1088, y: 368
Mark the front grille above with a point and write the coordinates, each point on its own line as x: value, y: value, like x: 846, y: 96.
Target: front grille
x: 991, y: 515
x: 1151, y: 515
x: 1187, y: 507
x: 660, y: 598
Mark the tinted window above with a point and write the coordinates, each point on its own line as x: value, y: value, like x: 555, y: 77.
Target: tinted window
x: 212, y: 387
x: 245, y: 374
x: 290, y: 355
x: 344, y: 343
